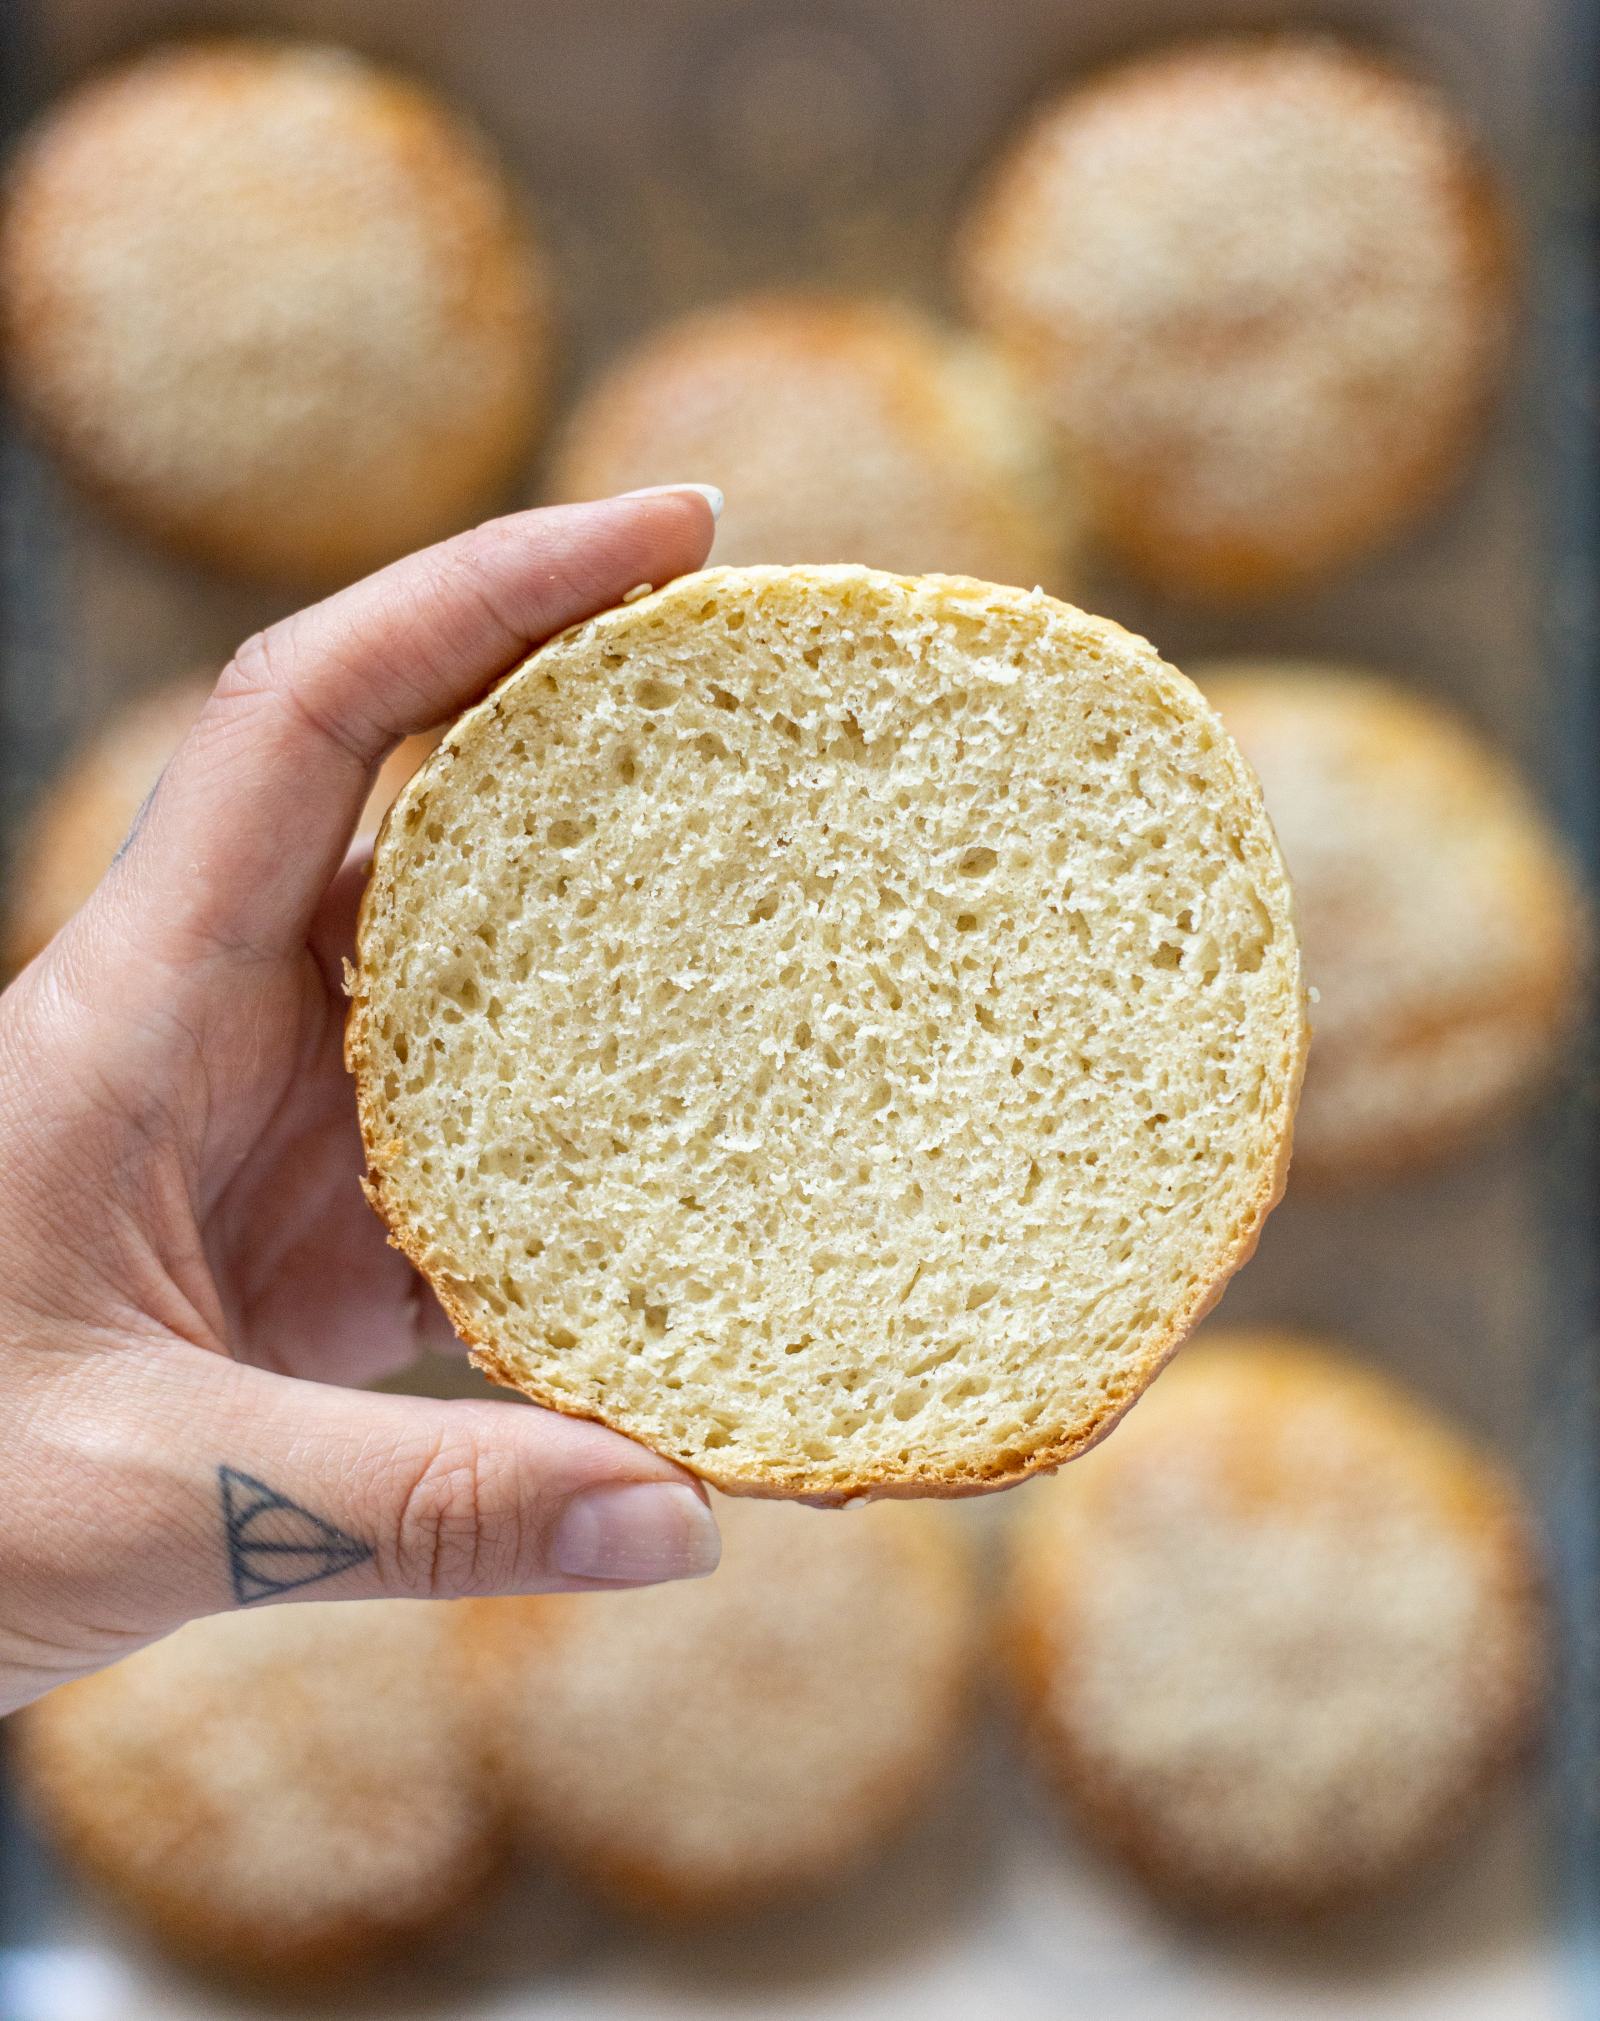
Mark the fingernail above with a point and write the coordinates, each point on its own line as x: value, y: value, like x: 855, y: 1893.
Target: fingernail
x: 709, y: 492
x: 637, y: 1534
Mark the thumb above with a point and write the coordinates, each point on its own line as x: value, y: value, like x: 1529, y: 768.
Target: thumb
x: 261, y: 1488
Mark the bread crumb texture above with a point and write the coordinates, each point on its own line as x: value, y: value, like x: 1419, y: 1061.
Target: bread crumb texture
x: 839, y: 1029
x: 1443, y: 926
x: 1280, y: 1633
x: 279, y: 1792
x: 841, y: 430
x: 706, y: 1748
x: 275, y: 303
x: 1263, y: 283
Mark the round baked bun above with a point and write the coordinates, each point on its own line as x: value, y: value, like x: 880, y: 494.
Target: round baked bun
x: 714, y: 1747
x: 1264, y: 286
x: 841, y: 430
x: 840, y: 1029
x: 273, y: 304
x: 275, y: 1794
x: 1280, y: 1635
x: 83, y: 818
x: 1443, y: 930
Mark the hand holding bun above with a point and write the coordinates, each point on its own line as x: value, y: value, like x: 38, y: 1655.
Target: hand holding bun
x: 191, y: 1285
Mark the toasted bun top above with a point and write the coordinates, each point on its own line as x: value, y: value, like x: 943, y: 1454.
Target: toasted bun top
x: 275, y: 302
x: 1264, y: 284
x: 708, y: 1744
x: 841, y: 430
x: 1281, y: 1628
x: 1443, y: 929
x: 277, y: 1785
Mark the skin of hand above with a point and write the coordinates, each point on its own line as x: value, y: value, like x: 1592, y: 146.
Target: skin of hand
x: 190, y: 1278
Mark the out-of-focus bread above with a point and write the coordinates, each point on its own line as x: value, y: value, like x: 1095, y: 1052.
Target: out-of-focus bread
x: 1281, y: 1634
x: 273, y: 304
x: 840, y: 1029
x: 276, y: 1794
x: 1443, y: 931
x: 841, y: 431
x: 82, y: 820
x: 1264, y: 286
x: 713, y: 1747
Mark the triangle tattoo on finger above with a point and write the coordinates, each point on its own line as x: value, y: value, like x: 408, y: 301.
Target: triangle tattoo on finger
x: 274, y: 1544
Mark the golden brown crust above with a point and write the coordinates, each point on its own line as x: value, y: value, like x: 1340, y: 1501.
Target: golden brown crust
x: 917, y: 1484
x: 1122, y: 1802
x: 236, y: 1948
x: 513, y: 1654
x: 325, y: 415
x: 1007, y: 1469
x: 1170, y: 479
x: 820, y: 1485
x: 776, y: 395
x: 1445, y: 930
x: 202, y: 1786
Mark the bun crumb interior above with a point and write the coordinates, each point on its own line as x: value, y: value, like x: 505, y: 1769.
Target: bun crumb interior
x: 840, y: 1029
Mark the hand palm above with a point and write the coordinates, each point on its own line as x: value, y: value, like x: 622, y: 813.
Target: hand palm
x: 305, y: 1278
x: 181, y: 1224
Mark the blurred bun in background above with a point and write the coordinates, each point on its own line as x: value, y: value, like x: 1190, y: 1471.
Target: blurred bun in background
x: 279, y: 1793
x: 705, y: 1749
x: 841, y: 431
x: 1443, y: 931
x: 82, y: 820
x: 274, y: 305
x: 1279, y: 1633
x: 1263, y: 287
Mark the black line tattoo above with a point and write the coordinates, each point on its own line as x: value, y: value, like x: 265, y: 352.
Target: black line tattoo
x: 145, y: 805
x: 274, y: 1544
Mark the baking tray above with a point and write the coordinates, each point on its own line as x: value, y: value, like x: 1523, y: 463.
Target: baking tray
x: 678, y: 150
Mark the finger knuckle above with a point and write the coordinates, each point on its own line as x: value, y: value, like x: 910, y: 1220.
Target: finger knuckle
x: 256, y: 666
x: 449, y: 1531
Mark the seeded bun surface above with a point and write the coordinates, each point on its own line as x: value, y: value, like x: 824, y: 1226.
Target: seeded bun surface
x: 840, y: 1029
x: 1443, y: 929
x: 1264, y: 285
x: 1280, y: 1634
x: 841, y: 430
x: 287, y: 1792
x: 273, y: 304
x: 708, y: 1748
